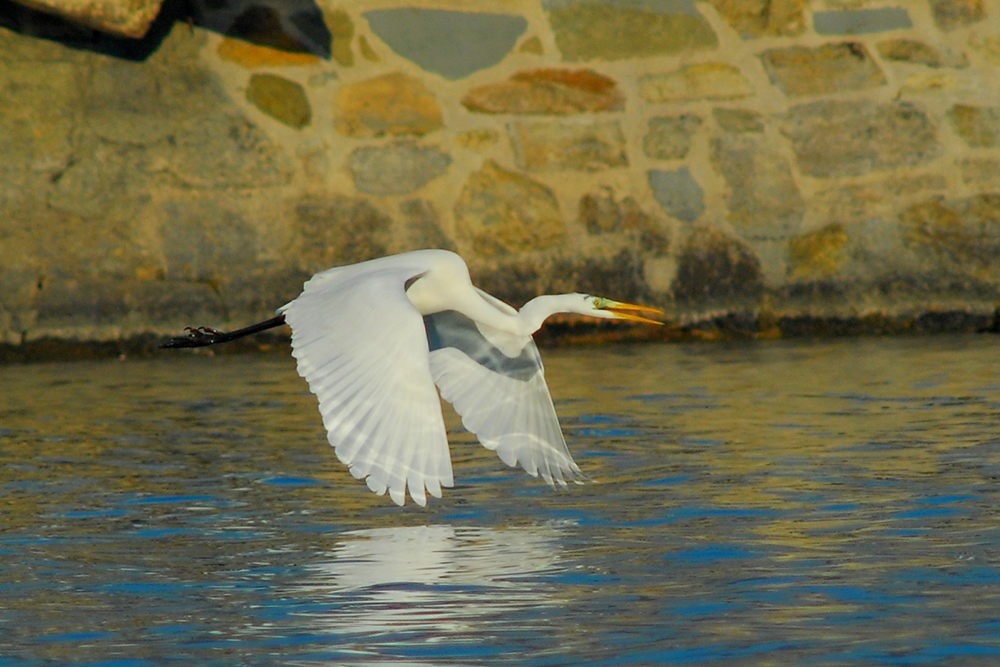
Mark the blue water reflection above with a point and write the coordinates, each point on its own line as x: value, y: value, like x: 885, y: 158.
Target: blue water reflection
x: 781, y: 503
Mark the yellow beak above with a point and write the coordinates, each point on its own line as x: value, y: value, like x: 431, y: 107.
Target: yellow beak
x: 631, y: 311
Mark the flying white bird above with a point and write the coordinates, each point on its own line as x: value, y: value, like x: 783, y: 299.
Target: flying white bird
x: 373, y: 339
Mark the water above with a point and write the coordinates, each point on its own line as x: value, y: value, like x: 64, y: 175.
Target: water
x: 787, y: 503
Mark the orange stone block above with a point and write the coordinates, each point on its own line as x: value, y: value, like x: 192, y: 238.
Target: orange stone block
x: 391, y: 104
x: 251, y: 55
x: 548, y: 91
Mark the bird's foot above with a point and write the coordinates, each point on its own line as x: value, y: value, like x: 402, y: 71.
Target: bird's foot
x: 201, y: 332
x: 195, y: 337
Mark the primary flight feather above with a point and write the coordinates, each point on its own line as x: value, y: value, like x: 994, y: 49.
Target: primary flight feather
x: 374, y: 339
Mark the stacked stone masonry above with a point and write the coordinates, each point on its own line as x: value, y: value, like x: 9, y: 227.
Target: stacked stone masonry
x: 775, y: 160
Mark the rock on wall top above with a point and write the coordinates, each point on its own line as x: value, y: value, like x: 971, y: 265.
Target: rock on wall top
x: 129, y: 18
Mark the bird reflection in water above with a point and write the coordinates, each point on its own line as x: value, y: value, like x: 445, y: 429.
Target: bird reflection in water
x: 435, y: 582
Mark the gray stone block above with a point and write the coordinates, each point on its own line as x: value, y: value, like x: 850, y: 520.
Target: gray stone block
x: 450, y: 43
x: 854, y: 137
x: 587, y: 30
x: 669, y: 137
x: 764, y: 200
x: 861, y: 21
x: 678, y: 193
x: 826, y: 69
x: 396, y: 169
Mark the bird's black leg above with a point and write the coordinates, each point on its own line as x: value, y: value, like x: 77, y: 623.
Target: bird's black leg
x: 202, y: 336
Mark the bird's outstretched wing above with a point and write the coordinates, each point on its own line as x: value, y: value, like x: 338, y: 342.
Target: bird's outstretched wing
x: 362, y: 347
x: 497, y: 385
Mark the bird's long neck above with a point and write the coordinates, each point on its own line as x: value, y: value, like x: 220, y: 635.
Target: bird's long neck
x: 534, y: 313
x: 433, y: 294
x: 522, y: 323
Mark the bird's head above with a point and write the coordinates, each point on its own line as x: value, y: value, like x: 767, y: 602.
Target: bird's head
x: 597, y: 306
x: 540, y: 308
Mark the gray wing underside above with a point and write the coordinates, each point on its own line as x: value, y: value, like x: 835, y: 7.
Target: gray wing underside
x: 496, y: 382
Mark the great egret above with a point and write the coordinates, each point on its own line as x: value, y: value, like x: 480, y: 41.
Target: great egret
x: 373, y: 339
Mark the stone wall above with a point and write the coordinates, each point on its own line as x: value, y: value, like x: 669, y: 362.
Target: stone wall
x: 776, y: 163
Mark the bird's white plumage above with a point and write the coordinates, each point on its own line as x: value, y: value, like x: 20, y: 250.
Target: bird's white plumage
x: 361, y: 346
x: 373, y: 339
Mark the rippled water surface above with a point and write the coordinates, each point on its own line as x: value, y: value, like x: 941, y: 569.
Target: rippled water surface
x: 781, y: 503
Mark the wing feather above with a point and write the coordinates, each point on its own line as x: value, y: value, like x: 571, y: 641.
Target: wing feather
x: 511, y: 413
x: 362, y: 347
